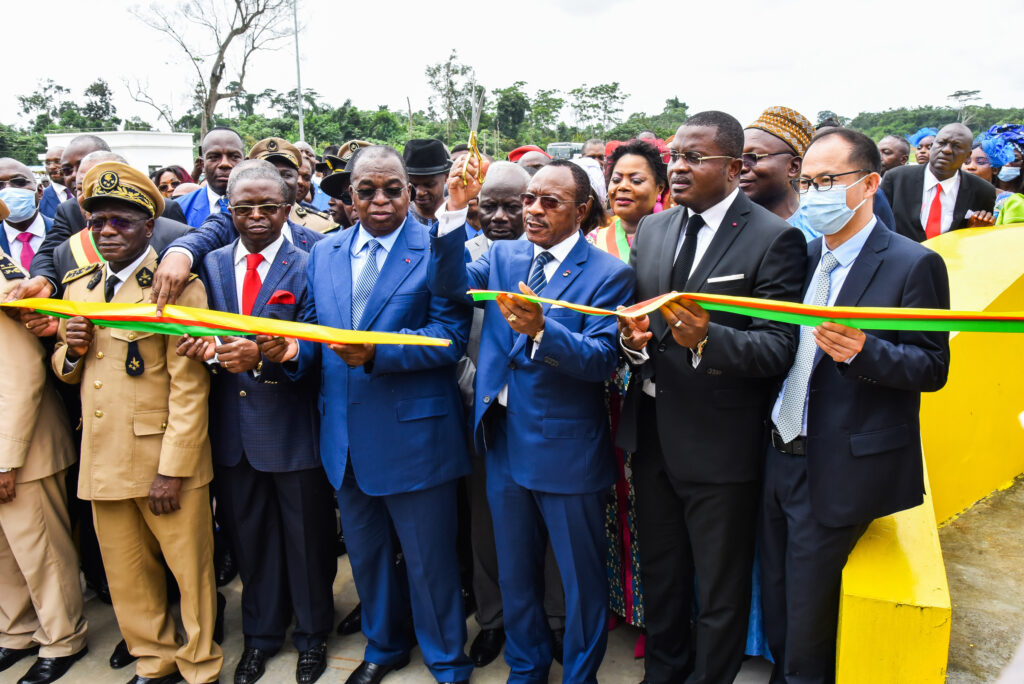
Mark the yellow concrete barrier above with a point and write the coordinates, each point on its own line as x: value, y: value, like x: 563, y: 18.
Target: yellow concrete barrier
x: 894, y: 611
x: 973, y: 429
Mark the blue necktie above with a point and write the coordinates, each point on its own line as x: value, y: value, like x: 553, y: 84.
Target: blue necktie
x: 794, y: 397
x: 364, y: 284
x: 537, y: 278
x: 223, y: 204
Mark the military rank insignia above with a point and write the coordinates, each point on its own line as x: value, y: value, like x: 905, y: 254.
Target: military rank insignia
x: 77, y: 273
x: 95, y: 280
x: 144, y: 277
x: 9, y: 268
x: 133, y: 364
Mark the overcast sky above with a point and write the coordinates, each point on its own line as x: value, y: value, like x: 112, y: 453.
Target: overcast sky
x: 736, y: 55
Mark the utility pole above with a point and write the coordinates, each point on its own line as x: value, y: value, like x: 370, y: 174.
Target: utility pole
x: 298, y: 70
x: 408, y: 104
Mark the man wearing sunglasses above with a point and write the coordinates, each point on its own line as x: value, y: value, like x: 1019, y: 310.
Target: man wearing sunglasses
x: 695, y: 410
x: 391, y: 429
x: 539, y: 408
x: 845, y: 429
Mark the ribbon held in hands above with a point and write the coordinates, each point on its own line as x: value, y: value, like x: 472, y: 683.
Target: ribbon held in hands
x: 181, y: 320
x: 867, y: 318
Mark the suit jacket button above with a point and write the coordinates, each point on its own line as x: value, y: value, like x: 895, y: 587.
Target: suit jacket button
x: 242, y: 393
x: 97, y: 384
x: 163, y: 425
x: 662, y: 348
x: 99, y: 355
x: 98, y: 414
x: 487, y: 399
x: 512, y: 365
x: 131, y: 336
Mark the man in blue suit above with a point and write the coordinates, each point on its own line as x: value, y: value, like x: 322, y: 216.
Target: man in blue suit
x: 845, y: 428
x: 56, y: 192
x: 271, y: 487
x: 539, y: 409
x: 222, y: 150
x: 26, y: 227
x: 391, y: 422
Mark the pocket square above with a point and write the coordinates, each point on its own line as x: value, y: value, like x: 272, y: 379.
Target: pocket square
x: 281, y: 297
x: 726, y: 278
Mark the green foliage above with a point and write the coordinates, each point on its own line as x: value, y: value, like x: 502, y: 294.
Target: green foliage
x: 904, y: 121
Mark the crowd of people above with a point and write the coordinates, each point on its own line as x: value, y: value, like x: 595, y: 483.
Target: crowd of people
x: 700, y: 476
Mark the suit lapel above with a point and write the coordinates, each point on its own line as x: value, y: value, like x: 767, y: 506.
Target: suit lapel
x: 405, y: 254
x: 278, y: 269
x: 4, y: 244
x: 299, y: 237
x: 964, y: 197
x: 668, y: 250
x: 733, y: 223
x: 225, y: 263
x: 567, y: 271
x: 913, y: 203
x: 341, y: 275
x: 518, y: 270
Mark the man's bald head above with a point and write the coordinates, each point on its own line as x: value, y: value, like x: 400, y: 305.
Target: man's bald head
x: 534, y: 161
x: 13, y: 167
x: 76, y: 150
x: 90, y: 160
x: 376, y: 153
x: 952, y: 147
x: 500, y: 206
x: 503, y: 173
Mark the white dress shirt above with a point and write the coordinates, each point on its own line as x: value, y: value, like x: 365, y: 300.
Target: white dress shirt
x: 242, y: 264
x: 713, y: 217
x: 37, y: 230
x: 845, y: 254
x: 950, y: 188
x: 213, y: 198
x: 126, y: 272
x: 360, y: 250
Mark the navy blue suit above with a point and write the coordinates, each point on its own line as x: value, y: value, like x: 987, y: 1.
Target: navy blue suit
x: 270, y: 484
x: 863, y: 453
x: 549, y: 455
x: 6, y: 247
x: 391, y: 443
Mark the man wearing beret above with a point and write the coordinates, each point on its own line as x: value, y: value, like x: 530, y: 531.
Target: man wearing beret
x: 145, y: 460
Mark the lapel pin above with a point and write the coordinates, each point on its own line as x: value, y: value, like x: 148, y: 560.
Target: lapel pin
x: 566, y: 274
x: 408, y: 261
x: 733, y: 224
x: 284, y: 263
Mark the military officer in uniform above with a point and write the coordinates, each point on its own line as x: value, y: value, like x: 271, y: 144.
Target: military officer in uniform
x: 304, y: 212
x: 287, y: 158
x: 40, y: 597
x: 145, y: 461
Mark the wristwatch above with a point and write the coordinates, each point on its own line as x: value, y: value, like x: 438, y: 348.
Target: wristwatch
x: 699, y: 349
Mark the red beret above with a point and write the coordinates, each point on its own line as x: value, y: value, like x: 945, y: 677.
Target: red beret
x: 515, y: 154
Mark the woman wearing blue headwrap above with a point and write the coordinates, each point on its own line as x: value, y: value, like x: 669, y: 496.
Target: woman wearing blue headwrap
x: 922, y: 141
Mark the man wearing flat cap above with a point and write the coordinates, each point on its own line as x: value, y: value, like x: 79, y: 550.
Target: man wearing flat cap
x: 145, y: 460
x: 428, y: 162
x: 773, y: 149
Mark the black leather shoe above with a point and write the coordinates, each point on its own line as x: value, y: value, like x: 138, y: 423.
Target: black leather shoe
x: 251, y: 666
x: 172, y: 678
x: 486, y: 647
x: 224, y: 565
x: 557, y: 637
x: 311, y: 665
x: 9, y: 656
x: 218, y: 623
x: 121, y: 657
x: 372, y: 673
x: 46, y: 670
x: 353, y: 622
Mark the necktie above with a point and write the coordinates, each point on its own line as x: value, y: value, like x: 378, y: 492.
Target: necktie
x: 252, y: 283
x: 26, y: 249
x: 108, y: 287
x: 67, y: 194
x: 791, y: 412
x: 538, y: 281
x: 364, y: 284
x: 934, y: 226
x: 684, y: 262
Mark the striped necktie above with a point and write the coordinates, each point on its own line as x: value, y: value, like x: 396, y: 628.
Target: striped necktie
x: 538, y: 280
x: 365, y: 283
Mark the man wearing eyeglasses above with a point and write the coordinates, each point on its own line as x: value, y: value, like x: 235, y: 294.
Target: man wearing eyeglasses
x: 694, y: 413
x: 539, y: 408
x: 937, y: 197
x: 56, y: 192
x: 391, y: 425
x: 145, y: 461
x: 845, y: 430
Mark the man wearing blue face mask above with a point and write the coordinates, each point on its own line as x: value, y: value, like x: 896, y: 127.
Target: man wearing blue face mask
x: 25, y: 228
x: 849, y: 395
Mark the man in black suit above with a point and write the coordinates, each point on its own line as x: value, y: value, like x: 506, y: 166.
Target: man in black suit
x: 934, y: 198
x: 845, y: 440
x: 696, y: 407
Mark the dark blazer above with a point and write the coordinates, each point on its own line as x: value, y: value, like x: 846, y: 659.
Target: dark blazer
x: 863, y: 424
x: 66, y: 222
x: 218, y: 231
x: 271, y: 420
x: 398, y: 418
x: 712, y: 418
x: 904, y: 186
x: 49, y: 202
x: 558, y: 434
x: 6, y: 247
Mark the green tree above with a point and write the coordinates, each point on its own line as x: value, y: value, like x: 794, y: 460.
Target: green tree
x: 511, y: 108
x: 451, y: 82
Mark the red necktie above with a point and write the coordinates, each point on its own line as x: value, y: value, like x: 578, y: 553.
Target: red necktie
x: 252, y: 283
x: 934, y: 226
x: 26, y: 249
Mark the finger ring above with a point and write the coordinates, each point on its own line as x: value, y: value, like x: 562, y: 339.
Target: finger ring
x: 677, y: 324
x: 28, y: 326
x: 511, y: 318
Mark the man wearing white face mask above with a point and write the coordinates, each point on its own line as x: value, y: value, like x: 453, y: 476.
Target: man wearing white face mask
x: 25, y: 228
x: 845, y: 430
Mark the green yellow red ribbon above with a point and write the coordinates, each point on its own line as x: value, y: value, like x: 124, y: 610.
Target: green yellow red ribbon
x: 869, y: 318
x: 180, y: 320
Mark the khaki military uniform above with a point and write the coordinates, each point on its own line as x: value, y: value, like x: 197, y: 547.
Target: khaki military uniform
x: 312, y: 219
x: 144, y: 412
x: 40, y: 595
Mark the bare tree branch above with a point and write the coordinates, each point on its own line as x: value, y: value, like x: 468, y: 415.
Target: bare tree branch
x: 140, y: 94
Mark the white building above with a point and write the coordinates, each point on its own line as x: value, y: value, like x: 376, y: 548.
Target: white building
x: 145, y: 150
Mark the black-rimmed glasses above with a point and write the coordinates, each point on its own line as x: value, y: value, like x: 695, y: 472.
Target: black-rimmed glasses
x: 820, y: 183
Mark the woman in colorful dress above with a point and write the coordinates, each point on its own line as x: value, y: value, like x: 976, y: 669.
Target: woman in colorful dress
x: 636, y: 179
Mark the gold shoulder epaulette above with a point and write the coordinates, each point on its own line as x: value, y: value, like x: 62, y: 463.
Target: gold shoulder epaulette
x: 77, y: 273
